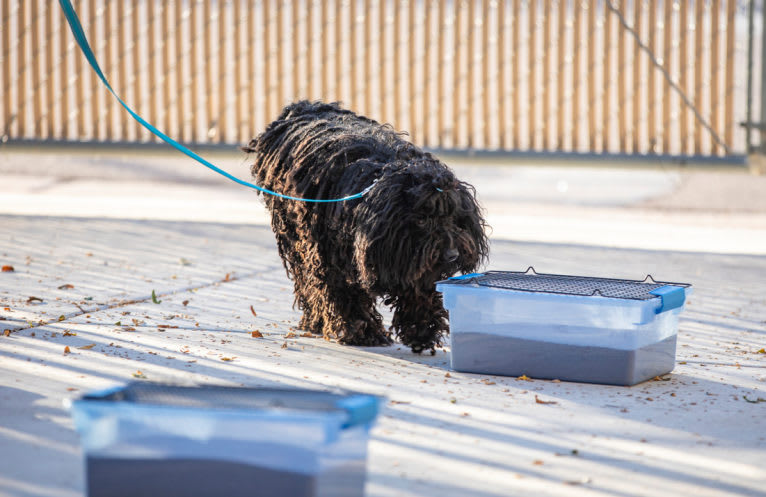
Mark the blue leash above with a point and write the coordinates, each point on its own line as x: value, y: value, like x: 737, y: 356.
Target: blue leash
x: 79, y: 34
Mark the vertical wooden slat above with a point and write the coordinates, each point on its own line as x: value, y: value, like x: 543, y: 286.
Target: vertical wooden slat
x: 638, y: 78
x: 652, y: 81
x: 182, y: 114
x: 251, y: 66
x: 64, y: 76
x: 606, y: 99
x: 471, y: 99
x: 486, y: 118
x: 123, y: 51
x: 267, y: 67
x: 368, y: 58
x: 194, y: 67
x: 591, y: 76
x: 622, y: 69
x: 135, y: 44
x: 715, y: 69
x: 280, y: 33
x: 152, y: 64
x: 577, y: 130
x: 412, y: 73
x: 167, y: 65
x: 428, y: 74
x: 502, y: 85
x: 666, y: 60
x: 324, y: 20
x: 223, y: 74
x: 311, y: 49
x: 353, y: 57
x: 111, y: 132
x: 382, y: 56
x: 8, y: 116
x: 683, y: 64
x: 22, y: 88
x: 339, y: 65
x: 699, y: 57
x: 37, y: 93
x: 240, y: 102
x: 516, y: 67
x: 295, y: 64
x: 561, y: 75
x: 441, y: 103
x: 731, y: 52
x: 94, y: 89
x: 210, y: 124
x: 50, y: 63
x: 456, y: 70
x: 532, y: 88
x: 546, y: 86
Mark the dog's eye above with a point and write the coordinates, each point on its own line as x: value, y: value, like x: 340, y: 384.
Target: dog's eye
x: 421, y: 223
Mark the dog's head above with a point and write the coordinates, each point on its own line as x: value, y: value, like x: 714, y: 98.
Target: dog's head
x: 418, y: 224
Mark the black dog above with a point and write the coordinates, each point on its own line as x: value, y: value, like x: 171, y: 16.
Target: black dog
x: 416, y: 224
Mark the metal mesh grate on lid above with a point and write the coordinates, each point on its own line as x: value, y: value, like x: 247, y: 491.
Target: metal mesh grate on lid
x: 531, y: 281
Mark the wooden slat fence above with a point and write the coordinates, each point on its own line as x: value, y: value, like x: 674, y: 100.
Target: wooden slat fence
x: 515, y: 75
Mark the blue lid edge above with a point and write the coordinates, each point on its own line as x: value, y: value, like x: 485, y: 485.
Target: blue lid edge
x: 466, y: 276
x: 672, y: 297
x: 361, y: 409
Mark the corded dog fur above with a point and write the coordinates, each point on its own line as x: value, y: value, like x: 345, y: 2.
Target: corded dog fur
x: 415, y: 225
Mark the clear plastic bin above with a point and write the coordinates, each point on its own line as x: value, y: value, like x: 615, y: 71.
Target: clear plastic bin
x: 570, y: 328
x: 148, y: 439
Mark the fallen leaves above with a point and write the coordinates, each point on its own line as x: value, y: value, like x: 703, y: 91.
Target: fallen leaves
x: 227, y: 359
x: 756, y: 401
x: 256, y: 334
x: 7, y: 333
x: 154, y: 298
x: 66, y: 287
x: 8, y: 269
x: 544, y: 402
x: 34, y: 299
x: 397, y: 402
x: 139, y: 374
x: 87, y: 347
x: 524, y: 378
x: 290, y: 335
x: 308, y: 334
x: 762, y: 351
x: 67, y: 350
x: 253, y: 311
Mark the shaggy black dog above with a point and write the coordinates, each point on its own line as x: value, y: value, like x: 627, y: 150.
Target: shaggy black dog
x: 416, y: 224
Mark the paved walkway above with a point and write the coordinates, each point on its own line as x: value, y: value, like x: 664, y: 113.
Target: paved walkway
x: 89, y: 245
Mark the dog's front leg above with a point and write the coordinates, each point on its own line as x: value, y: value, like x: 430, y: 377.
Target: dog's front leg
x: 420, y: 320
x: 348, y: 314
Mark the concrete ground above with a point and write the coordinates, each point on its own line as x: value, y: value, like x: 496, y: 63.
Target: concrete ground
x: 92, y: 234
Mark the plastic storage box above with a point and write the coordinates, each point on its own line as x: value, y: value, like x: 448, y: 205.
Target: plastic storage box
x: 148, y: 439
x: 571, y: 328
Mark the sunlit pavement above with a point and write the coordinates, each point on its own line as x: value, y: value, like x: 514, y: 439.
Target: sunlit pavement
x: 91, y: 237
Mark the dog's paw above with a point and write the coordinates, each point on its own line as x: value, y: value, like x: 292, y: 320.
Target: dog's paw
x: 365, y: 333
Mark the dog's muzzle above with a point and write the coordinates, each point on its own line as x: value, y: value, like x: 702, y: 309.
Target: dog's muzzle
x: 451, y: 255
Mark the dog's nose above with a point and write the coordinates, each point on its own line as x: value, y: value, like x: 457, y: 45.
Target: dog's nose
x: 451, y: 255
